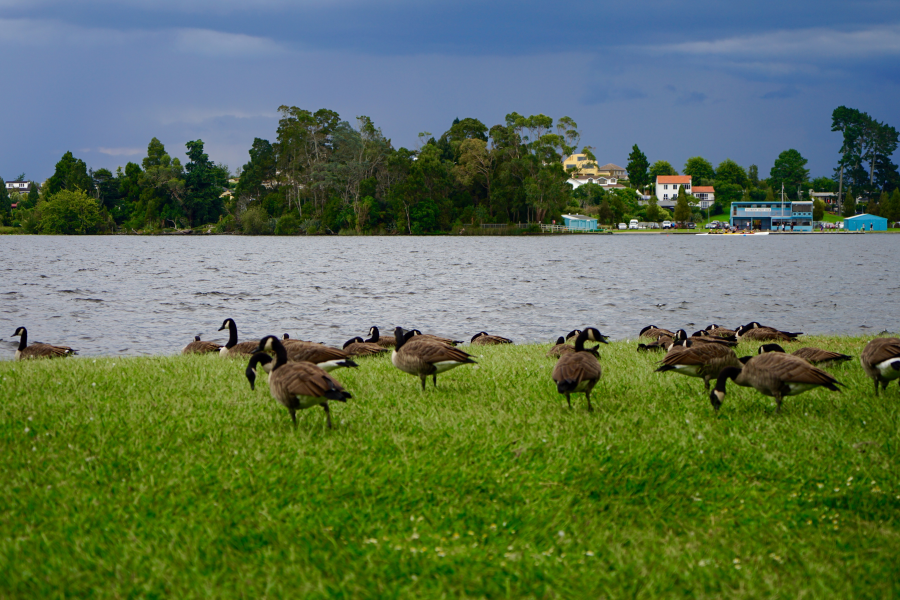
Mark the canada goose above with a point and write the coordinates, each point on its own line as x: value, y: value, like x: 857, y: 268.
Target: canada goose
x: 297, y: 385
x: 756, y: 332
x: 579, y: 371
x: 703, y: 333
x: 814, y: 356
x: 483, y: 339
x: 562, y: 347
x: 773, y: 374
x: 25, y: 352
x: 357, y: 347
x: 429, y: 336
x: 201, y: 347
x: 699, y: 360
x: 325, y: 357
x: 417, y: 355
x: 698, y: 338
x: 232, y: 348
x: 663, y: 342
x: 287, y: 340
x: 652, y: 332
x: 719, y: 331
x: 375, y: 338
x: 881, y: 361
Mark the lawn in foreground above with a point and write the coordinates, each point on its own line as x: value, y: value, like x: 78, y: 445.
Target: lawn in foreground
x: 169, y: 477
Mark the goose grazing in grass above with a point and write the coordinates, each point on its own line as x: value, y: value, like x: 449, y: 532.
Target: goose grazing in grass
x: 562, y: 347
x: 773, y: 374
x: 663, y: 342
x: 699, y: 338
x: 26, y: 352
x: 483, y: 339
x: 325, y: 357
x: 297, y: 385
x: 375, y: 338
x: 815, y: 356
x: 429, y: 336
x: 579, y: 371
x: 719, y: 331
x: 699, y: 360
x: 881, y: 361
x: 232, y: 348
x: 357, y: 347
x: 421, y: 356
x: 200, y: 347
x: 653, y: 332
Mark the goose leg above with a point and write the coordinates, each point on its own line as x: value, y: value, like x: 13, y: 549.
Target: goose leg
x: 706, y: 382
x: 327, y: 414
x: 875, y: 379
x: 423, y: 378
x: 434, y: 379
x: 569, y: 400
x: 778, y: 401
x: 587, y: 394
x: 293, y: 415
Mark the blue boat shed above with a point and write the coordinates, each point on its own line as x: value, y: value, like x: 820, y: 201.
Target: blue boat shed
x: 580, y: 222
x: 865, y: 222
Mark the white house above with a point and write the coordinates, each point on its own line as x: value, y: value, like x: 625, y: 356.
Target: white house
x: 667, y: 187
x: 23, y: 187
x: 604, y: 182
x: 706, y: 194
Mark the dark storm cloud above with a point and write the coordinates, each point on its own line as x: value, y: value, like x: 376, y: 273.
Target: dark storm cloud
x: 103, y: 77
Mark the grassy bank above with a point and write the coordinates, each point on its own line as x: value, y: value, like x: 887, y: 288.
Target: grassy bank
x: 169, y: 477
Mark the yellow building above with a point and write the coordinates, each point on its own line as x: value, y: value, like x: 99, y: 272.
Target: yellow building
x: 581, y: 165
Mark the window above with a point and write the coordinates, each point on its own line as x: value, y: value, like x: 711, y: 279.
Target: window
x: 665, y: 186
x: 665, y: 196
x: 687, y: 186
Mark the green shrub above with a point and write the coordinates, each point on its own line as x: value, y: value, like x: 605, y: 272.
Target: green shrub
x: 71, y: 212
x: 288, y: 224
x: 255, y: 221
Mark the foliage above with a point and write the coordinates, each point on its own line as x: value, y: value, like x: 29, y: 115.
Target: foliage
x: 5, y: 202
x: 789, y: 170
x: 71, y: 174
x: 891, y: 208
x: 660, y: 167
x: 71, y: 213
x: 753, y: 176
x: 865, y: 140
x: 823, y: 184
x: 729, y: 172
x: 288, y: 224
x: 255, y: 221
x: 699, y: 169
x: 637, y: 169
x: 818, y: 209
x: 848, y: 209
x: 682, y: 206
x: 653, y: 210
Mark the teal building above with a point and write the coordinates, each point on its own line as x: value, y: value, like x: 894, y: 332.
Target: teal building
x: 772, y: 216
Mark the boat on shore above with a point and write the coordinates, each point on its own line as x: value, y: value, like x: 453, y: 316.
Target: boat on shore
x: 736, y: 233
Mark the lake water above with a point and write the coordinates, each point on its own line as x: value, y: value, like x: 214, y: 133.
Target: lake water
x: 112, y: 295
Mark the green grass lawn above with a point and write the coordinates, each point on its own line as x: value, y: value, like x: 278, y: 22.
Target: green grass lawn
x: 169, y: 477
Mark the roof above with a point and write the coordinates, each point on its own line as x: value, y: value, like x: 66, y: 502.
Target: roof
x: 673, y: 179
x: 708, y: 189
x: 611, y: 167
x: 580, y: 217
x: 864, y: 215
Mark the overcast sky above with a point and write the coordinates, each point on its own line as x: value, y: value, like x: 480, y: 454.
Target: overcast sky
x: 716, y: 79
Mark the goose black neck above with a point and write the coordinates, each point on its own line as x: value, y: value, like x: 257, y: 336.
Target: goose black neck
x: 23, y: 339
x: 259, y: 357
x: 726, y: 374
x: 232, y: 334
x: 580, y: 340
x: 399, y: 338
x: 374, y: 336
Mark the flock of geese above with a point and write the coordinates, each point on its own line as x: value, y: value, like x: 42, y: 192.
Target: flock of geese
x: 299, y: 372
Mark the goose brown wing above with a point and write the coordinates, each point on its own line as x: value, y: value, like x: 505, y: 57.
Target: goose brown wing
x: 789, y: 368
x: 699, y: 354
x: 881, y: 349
x: 46, y: 351
x: 243, y: 348
x: 364, y: 349
x: 577, y: 366
x: 315, y: 353
x: 201, y: 347
x: 301, y: 379
x: 434, y: 352
x: 815, y: 355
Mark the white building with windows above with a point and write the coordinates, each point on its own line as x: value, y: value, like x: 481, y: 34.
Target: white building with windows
x: 706, y: 194
x: 667, y: 187
x: 23, y: 187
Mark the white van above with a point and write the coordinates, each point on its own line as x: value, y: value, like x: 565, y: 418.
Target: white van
x: 623, y: 226
x: 633, y: 224
x: 667, y: 224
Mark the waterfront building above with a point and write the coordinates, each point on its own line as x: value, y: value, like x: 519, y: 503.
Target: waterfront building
x: 580, y: 222
x: 865, y: 222
x: 774, y: 215
x: 667, y: 187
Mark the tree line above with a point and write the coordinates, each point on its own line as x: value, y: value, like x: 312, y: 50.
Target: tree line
x: 322, y: 174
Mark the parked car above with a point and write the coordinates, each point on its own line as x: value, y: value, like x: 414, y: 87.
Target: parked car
x: 712, y: 225
x: 654, y: 225
x: 633, y: 224
x: 623, y: 226
x: 692, y: 226
x: 667, y: 224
